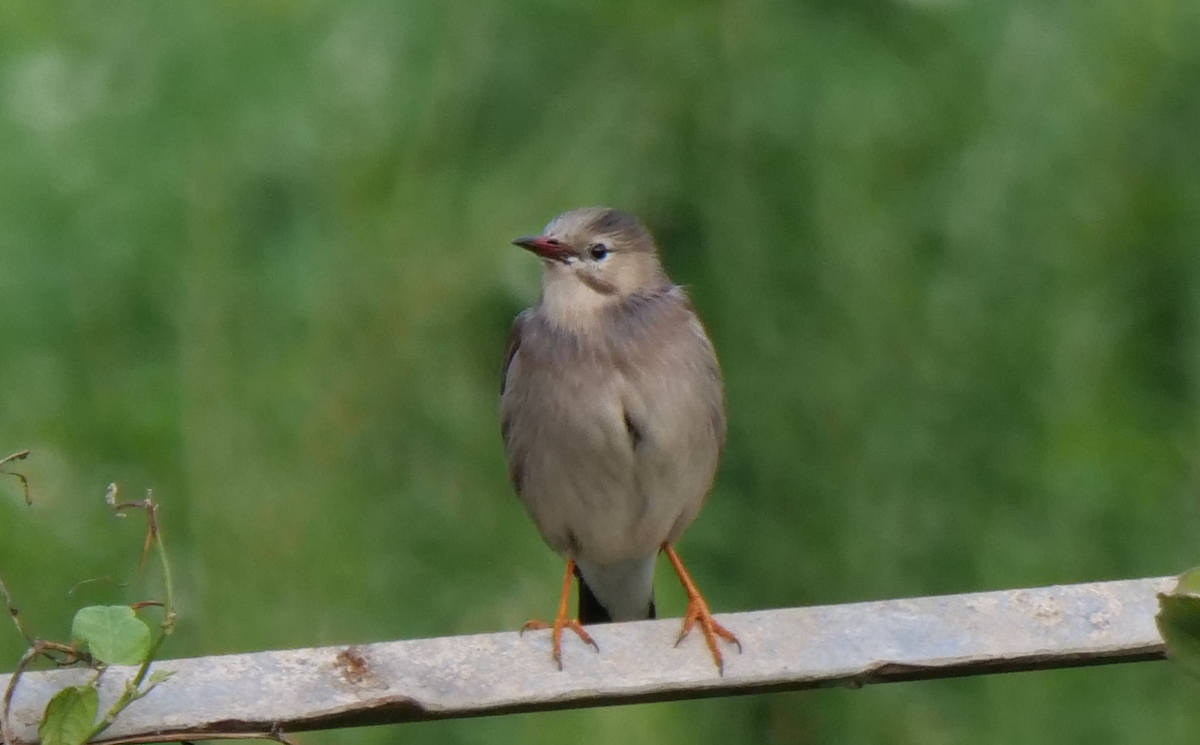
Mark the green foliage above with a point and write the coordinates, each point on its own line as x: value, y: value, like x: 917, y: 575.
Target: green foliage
x: 113, y: 634
x: 1179, y: 621
x: 256, y: 256
x: 70, y: 716
x: 100, y: 636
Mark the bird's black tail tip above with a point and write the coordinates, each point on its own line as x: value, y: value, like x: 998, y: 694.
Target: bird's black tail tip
x: 590, y: 609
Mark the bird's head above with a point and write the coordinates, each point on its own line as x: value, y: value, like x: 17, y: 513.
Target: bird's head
x: 593, y: 256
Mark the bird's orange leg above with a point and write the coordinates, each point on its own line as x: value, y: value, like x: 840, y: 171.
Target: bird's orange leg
x: 563, y: 620
x: 697, y: 610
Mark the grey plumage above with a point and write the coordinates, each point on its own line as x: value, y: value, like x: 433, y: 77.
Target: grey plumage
x: 612, y: 406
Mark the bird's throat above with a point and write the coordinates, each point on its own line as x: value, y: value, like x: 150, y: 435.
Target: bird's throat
x: 574, y: 303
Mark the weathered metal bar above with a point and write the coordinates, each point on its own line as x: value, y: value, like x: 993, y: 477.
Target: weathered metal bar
x: 787, y: 649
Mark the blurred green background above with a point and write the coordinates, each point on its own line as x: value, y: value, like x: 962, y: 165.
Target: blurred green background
x: 255, y: 256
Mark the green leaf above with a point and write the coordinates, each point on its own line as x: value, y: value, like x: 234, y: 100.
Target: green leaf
x: 112, y: 633
x: 69, y: 716
x: 1178, y: 621
x: 1188, y: 583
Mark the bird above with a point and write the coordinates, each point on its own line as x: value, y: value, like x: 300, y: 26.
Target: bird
x: 612, y: 412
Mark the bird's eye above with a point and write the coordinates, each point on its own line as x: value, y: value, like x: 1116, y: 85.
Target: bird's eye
x: 598, y: 251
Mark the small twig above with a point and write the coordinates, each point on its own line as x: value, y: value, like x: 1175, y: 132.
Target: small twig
x: 37, y: 649
x: 70, y: 655
x: 152, y: 535
x: 131, y: 693
x: 62, y: 654
x: 6, y: 732
x: 151, y: 530
x: 105, y: 578
x: 276, y: 735
x: 133, y: 688
x: 14, y: 614
x: 20, y: 455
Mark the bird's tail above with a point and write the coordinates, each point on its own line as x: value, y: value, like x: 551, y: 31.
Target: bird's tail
x: 591, y: 610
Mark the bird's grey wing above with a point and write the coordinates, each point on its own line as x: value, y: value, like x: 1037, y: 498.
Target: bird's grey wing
x: 506, y: 415
x: 514, y: 343
x: 712, y: 368
x: 716, y: 397
x: 681, y: 400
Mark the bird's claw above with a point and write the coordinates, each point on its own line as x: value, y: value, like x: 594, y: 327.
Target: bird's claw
x: 697, y: 611
x: 558, y: 626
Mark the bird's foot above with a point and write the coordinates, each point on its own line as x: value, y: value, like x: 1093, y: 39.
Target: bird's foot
x: 697, y: 611
x: 563, y: 620
x: 559, y: 624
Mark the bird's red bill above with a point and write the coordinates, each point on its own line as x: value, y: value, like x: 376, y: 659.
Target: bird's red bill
x: 547, y: 248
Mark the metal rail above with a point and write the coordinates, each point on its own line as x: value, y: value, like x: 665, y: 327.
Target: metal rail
x: 787, y: 649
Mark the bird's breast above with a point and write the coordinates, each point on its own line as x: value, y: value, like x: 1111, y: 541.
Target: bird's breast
x: 615, y: 443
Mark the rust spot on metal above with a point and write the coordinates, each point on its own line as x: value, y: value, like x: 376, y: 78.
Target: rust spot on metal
x: 356, y: 670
